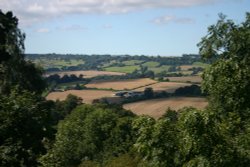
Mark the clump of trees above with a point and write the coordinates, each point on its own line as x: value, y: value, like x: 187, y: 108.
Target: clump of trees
x: 218, y: 135
x: 91, y: 133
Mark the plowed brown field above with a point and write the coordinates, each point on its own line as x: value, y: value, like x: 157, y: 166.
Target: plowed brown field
x: 87, y: 95
x: 157, y: 107
x: 121, y: 84
x: 165, y: 86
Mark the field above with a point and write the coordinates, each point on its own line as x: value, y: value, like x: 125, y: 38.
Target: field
x: 192, y: 79
x: 121, y: 84
x: 58, y: 63
x: 124, y: 69
x: 157, y: 107
x: 151, y: 64
x: 165, y: 86
x: 195, y: 64
x: 156, y: 70
x: 131, y: 62
x: 87, y: 74
x: 87, y: 95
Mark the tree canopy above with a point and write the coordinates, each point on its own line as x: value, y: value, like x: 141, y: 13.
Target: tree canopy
x: 14, y: 70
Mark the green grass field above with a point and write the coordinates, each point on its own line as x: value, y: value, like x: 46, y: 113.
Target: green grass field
x: 132, y: 62
x: 200, y: 64
x: 159, y: 69
x: 57, y: 63
x: 151, y: 64
x: 125, y: 69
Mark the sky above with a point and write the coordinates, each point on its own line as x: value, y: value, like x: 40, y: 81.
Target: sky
x: 116, y: 27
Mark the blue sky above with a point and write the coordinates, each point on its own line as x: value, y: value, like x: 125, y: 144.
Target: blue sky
x: 135, y: 27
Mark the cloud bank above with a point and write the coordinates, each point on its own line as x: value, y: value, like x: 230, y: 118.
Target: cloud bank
x: 31, y: 11
x: 172, y: 19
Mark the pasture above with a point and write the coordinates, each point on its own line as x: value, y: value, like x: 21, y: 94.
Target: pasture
x: 123, y: 69
x: 121, y: 84
x: 157, y: 107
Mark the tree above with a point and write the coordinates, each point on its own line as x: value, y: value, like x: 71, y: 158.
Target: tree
x: 11, y: 41
x: 227, y: 83
x: 148, y: 92
x: 93, y: 133
x: 25, y: 117
x: 24, y: 125
x: 156, y: 140
x: 14, y: 70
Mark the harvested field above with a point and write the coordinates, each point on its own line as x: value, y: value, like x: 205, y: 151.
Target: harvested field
x: 192, y: 79
x: 186, y: 67
x: 87, y: 95
x: 121, y: 84
x: 165, y: 86
x: 157, y: 107
x: 87, y: 74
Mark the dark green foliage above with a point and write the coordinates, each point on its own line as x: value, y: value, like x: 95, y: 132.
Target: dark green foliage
x: 63, y: 108
x: 24, y: 124
x: 219, y: 135
x: 14, y: 70
x: 148, y: 92
x: 156, y: 140
x: 193, y: 90
x: 25, y: 117
x: 91, y: 133
x: 11, y: 41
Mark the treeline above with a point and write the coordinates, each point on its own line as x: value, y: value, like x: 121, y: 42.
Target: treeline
x: 95, y: 62
x: 37, y: 132
x: 65, y: 78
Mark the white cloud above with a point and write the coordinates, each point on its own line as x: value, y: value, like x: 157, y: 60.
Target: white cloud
x: 107, y: 26
x: 72, y: 28
x: 172, y: 19
x: 32, y: 11
x: 43, y: 30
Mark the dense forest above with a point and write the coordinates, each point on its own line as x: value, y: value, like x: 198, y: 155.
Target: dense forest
x: 38, y: 132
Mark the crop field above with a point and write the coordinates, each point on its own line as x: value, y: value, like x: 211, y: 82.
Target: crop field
x: 87, y: 95
x: 87, y: 74
x: 165, y: 86
x: 192, y: 79
x: 157, y: 107
x: 121, y: 84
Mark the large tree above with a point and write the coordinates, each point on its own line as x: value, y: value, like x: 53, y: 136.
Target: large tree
x: 14, y: 69
x: 25, y: 117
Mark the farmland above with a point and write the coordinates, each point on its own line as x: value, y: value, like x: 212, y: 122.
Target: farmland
x: 191, y: 79
x: 124, y: 69
x: 86, y: 74
x: 169, y: 87
x: 58, y: 63
x: 121, y: 84
x: 157, y: 107
x: 87, y: 95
